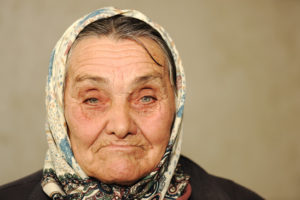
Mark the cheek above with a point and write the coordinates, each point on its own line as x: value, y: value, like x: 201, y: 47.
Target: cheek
x: 156, y: 127
x: 82, y: 127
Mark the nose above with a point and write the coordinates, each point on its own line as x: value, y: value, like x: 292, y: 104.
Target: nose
x: 120, y: 122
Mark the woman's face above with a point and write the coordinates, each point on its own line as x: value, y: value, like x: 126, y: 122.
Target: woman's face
x: 119, y: 107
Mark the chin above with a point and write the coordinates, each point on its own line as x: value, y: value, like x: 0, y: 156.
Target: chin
x: 121, y: 171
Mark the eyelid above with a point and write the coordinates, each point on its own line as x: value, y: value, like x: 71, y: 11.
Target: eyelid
x: 147, y: 89
x: 91, y: 91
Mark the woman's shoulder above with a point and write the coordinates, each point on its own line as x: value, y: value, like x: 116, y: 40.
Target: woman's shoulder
x: 28, y: 187
x: 207, y: 186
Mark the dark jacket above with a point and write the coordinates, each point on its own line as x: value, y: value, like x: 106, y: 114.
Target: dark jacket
x: 204, y: 186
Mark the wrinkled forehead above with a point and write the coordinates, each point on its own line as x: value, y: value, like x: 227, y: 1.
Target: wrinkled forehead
x: 110, y: 49
x: 104, y: 58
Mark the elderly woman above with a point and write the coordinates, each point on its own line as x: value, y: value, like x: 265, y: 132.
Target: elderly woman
x: 115, y: 97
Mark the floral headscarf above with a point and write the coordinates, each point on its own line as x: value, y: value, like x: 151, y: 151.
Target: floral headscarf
x: 63, y: 178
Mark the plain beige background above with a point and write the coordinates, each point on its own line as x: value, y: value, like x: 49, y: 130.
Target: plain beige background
x: 242, y: 65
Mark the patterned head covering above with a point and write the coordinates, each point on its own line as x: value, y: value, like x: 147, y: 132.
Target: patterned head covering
x: 63, y: 178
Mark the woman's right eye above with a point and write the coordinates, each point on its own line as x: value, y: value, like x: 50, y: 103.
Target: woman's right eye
x: 91, y: 101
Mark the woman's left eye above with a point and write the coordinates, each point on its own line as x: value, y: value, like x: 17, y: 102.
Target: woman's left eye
x: 147, y: 99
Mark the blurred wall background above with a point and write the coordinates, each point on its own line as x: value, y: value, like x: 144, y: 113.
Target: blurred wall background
x: 242, y: 117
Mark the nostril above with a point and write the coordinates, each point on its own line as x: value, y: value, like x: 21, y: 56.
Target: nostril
x: 120, y: 122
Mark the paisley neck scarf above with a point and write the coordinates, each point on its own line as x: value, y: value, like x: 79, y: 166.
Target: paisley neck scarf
x: 62, y: 176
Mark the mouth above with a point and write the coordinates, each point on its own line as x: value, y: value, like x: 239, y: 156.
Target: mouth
x: 121, y: 147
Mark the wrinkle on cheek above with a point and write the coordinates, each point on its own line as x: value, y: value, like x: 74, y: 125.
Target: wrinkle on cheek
x: 150, y: 123
x: 147, y: 112
x: 80, y: 130
x: 76, y: 120
x: 76, y: 107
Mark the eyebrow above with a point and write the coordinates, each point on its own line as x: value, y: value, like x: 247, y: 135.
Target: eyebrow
x: 85, y: 77
x: 101, y: 80
x: 147, y: 78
